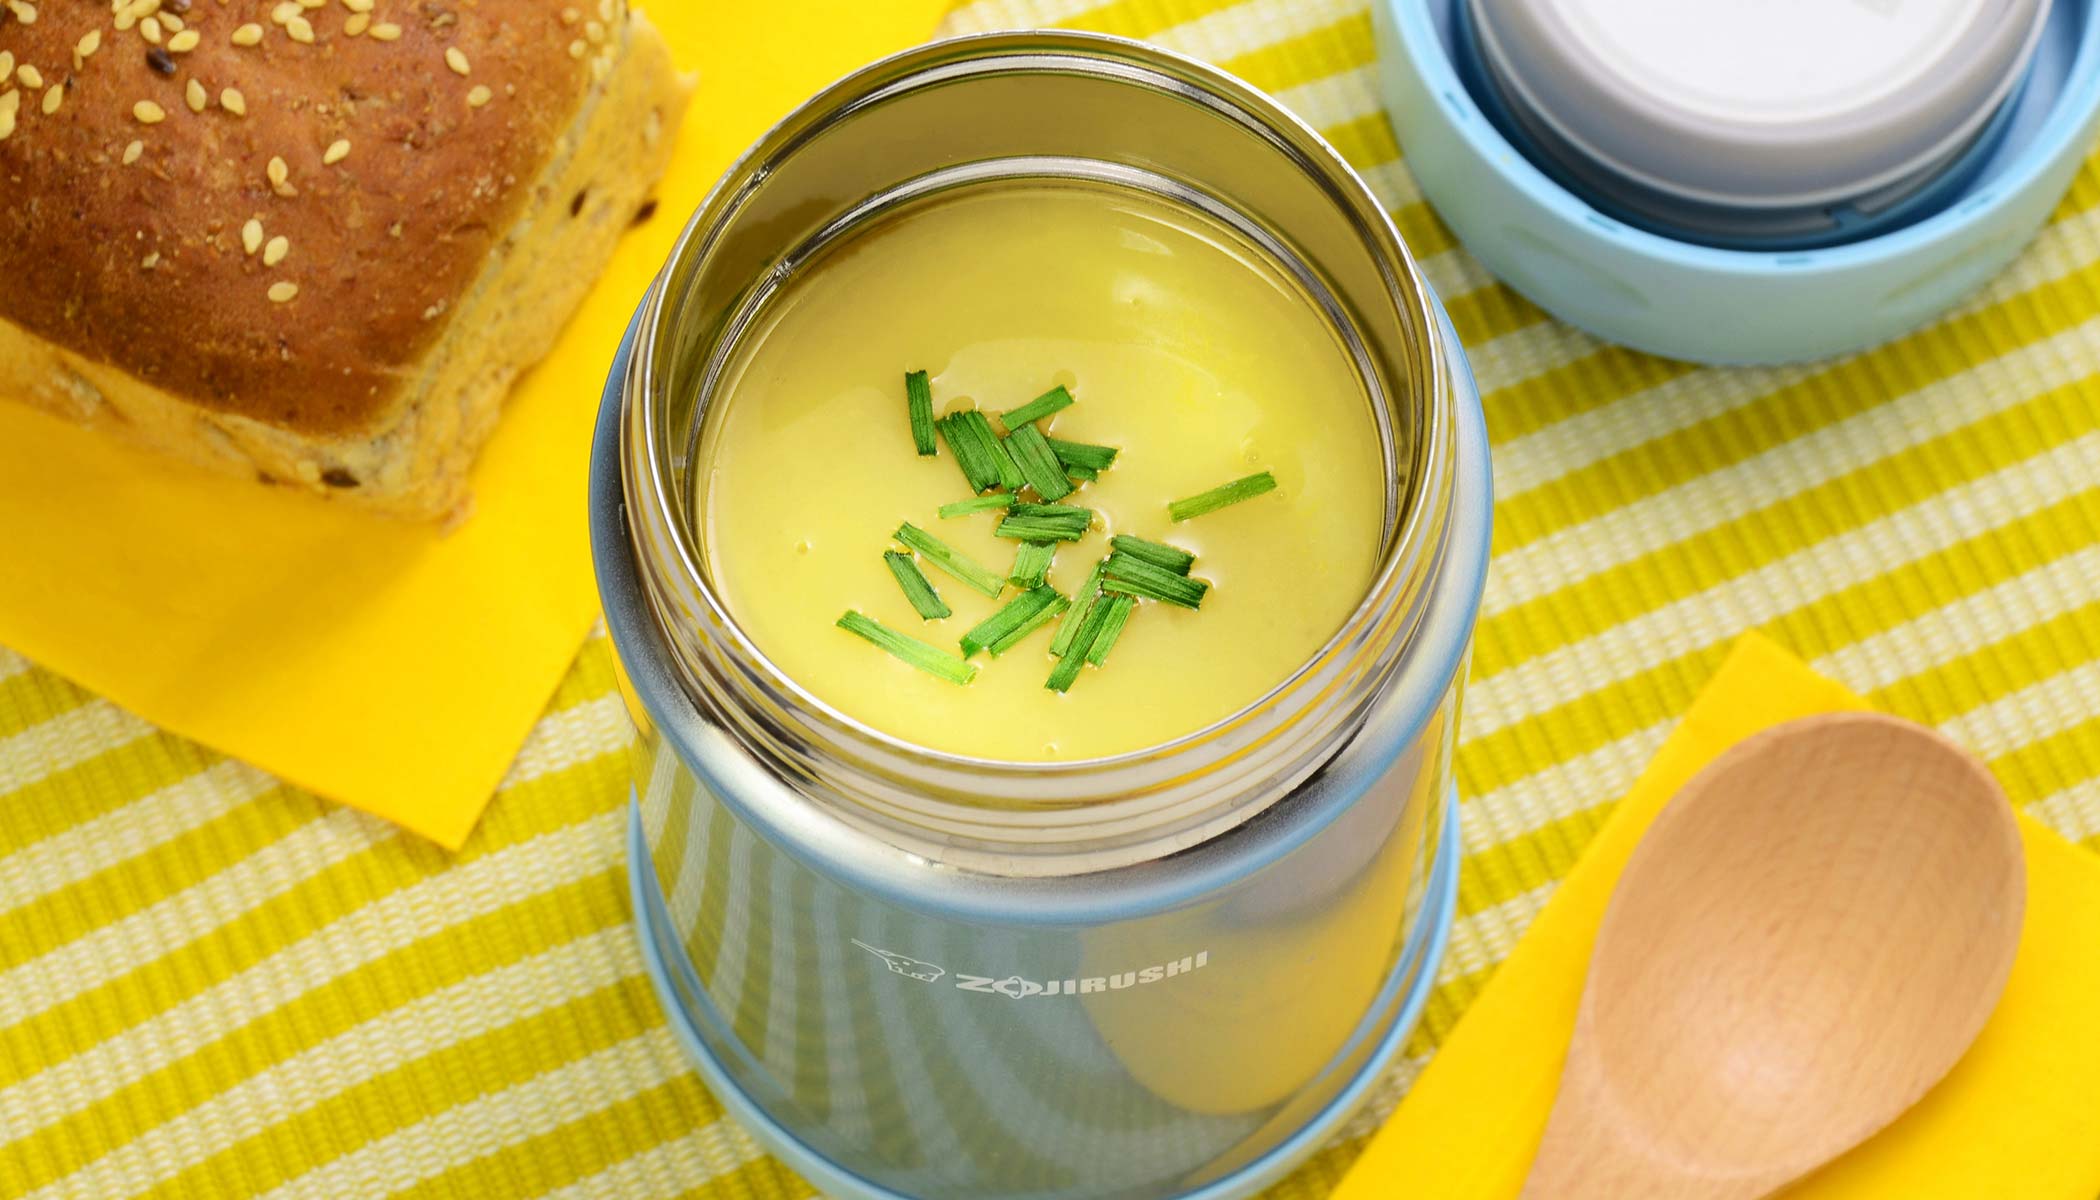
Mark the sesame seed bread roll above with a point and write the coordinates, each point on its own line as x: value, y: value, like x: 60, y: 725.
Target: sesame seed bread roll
x: 314, y: 241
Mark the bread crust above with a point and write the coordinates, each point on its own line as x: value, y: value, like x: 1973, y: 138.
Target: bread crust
x: 411, y: 248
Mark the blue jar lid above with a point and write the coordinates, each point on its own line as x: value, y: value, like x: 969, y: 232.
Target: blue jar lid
x: 1692, y: 295
x: 1754, y: 122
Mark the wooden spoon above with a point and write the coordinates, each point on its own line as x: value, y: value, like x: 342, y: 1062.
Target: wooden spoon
x: 1807, y: 939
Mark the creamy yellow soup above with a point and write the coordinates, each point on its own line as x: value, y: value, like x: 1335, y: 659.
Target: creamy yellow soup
x: 1181, y: 345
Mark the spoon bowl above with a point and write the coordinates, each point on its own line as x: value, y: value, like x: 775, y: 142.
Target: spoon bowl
x: 1808, y: 938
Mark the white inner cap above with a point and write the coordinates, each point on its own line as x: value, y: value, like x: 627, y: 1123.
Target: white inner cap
x: 1761, y: 103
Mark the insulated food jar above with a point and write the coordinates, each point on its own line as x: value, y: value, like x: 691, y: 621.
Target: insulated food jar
x: 1169, y: 973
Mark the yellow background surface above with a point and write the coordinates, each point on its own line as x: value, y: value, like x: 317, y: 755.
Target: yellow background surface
x: 212, y: 983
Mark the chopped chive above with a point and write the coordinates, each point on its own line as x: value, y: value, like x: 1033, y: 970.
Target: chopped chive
x: 1075, y: 652
x: 1130, y: 575
x: 1042, y: 617
x: 931, y: 659
x: 1038, y: 466
x: 1066, y: 672
x: 1009, y: 471
x: 924, y: 599
x: 951, y: 560
x: 1036, y: 409
x: 1082, y: 601
x: 977, y: 504
x: 918, y: 400
x: 1222, y: 495
x: 977, y: 464
x: 1111, y: 628
x: 1045, y: 523
x: 1083, y: 474
x: 1031, y: 562
x: 1082, y: 454
x: 1025, y: 509
x: 1173, y: 558
x: 994, y: 452
x: 1014, y: 616
x: 1157, y: 587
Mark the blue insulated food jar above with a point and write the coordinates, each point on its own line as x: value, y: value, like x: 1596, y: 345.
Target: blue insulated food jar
x: 1171, y: 973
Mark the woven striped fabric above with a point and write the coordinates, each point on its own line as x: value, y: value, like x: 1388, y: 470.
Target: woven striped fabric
x: 211, y: 984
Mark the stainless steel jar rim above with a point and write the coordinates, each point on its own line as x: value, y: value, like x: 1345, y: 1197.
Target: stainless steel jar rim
x: 940, y: 796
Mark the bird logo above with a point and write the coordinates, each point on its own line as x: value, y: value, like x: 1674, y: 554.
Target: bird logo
x: 903, y: 964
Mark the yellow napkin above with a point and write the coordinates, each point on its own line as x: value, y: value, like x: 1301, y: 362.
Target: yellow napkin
x: 2018, y: 1116
x: 379, y: 663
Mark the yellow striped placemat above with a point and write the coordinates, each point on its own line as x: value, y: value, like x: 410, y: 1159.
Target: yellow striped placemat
x: 213, y: 985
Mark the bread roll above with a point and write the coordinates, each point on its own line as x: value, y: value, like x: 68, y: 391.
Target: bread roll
x: 314, y: 241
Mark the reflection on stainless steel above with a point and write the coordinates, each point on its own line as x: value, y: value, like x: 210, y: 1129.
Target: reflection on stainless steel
x: 927, y: 975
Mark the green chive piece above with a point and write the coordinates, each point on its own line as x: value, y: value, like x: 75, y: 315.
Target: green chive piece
x: 1045, y: 523
x: 1082, y: 454
x: 1042, y: 617
x: 1015, y: 615
x: 1082, y: 602
x: 977, y: 465
x: 1066, y: 672
x: 1009, y: 471
x: 977, y: 504
x: 1222, y: 495
x: 993, y: 451
x: 1031, y: 563
x: 1036, y: 409
x: 924, y: 599
x: 1173, y: 558
x: 931, y: 659
x: 1083, y: 474
x: 918, y: 398
x: 1134, y: 576
x: 951, y: 560
x: 1038, y: 466
x: 1074, y: 656
x: 1025, y: 509
x: 1111, y: 628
